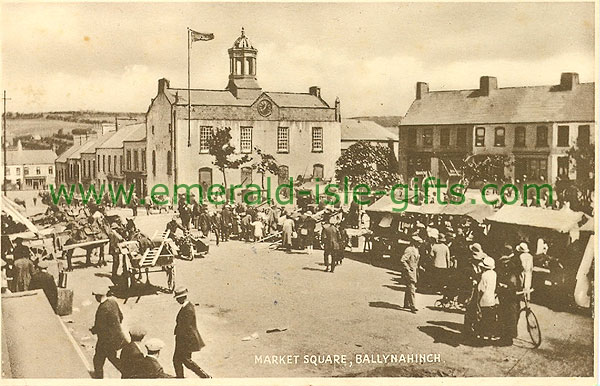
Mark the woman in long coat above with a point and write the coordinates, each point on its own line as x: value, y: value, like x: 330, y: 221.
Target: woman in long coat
x: 510, y: 303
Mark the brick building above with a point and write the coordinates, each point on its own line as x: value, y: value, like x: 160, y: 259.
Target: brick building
x: 301, y: 130
x: 534, y: 125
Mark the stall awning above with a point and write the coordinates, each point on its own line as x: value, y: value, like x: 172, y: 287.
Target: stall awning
x: 35, y: 342
x: 478, y: 212
x: 385, y: 205
x: 11, y: 209
x: 564, y: 220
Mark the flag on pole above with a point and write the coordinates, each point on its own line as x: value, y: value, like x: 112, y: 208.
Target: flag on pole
x: 200, y: 36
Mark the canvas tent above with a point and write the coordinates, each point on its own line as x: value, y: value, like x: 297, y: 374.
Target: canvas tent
x: 12, y: 209
x: 478, y: 212
x: 564, y: 220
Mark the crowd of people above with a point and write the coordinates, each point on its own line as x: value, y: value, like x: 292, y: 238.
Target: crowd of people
x: 488, y: 285
x: 298, y: 229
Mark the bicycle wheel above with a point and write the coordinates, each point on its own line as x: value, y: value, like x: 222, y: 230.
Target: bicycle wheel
x: 533, y: 327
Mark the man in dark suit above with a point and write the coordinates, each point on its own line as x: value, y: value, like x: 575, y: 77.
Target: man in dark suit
x: 45, y: 281
x: 107, y: 327
x: 187, y: 337
x: 151, y: 366
x: 132, y: 356
x: 331, y: 238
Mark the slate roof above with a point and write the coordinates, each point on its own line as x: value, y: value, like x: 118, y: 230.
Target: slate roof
x: 226, y: 98
x: 138, y: 133
x: 123, y: 134
x: 383, y: 120
x: 84, y: 148
x: 30, y: 157
x: 67, y: 154
x: 359, y: 129
x: 96, y: 143
x: 504, y: 105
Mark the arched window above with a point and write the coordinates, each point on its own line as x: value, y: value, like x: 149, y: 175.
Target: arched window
x: 169, y: 163
x: 153, y: 162
x: 249, y: 66
x: 318, y: 171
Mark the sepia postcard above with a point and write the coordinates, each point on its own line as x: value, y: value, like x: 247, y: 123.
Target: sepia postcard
x: 302, y: 193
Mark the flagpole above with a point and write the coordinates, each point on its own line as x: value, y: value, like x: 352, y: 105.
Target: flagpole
x: 189, y: 92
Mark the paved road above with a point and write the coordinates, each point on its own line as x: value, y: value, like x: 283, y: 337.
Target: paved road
x: 241, y: 288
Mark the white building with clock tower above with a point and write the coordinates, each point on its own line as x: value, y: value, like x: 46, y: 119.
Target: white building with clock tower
x: 301, y: 130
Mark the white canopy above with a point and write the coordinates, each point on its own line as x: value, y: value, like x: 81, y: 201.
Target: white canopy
x: 12, y: 209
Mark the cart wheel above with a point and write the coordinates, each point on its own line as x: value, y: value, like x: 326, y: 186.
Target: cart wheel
x: 171, y: 278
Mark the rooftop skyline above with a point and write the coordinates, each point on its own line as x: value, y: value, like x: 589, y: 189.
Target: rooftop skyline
x: 108, y: 57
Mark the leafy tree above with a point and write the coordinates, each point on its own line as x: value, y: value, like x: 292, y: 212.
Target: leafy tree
x: 219, y: 146
x: 583, y: 158
x: 485, y: 168
x: 267, y: 164
x: 364, y: 163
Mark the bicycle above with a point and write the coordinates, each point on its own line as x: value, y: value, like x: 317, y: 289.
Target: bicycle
x: 533, y: 326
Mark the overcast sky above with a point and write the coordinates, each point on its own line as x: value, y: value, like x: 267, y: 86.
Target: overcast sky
x: 110, y: 56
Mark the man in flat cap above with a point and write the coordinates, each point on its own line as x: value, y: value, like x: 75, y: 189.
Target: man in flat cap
x: 107, y: 327
x: 151, y: 366
x: 23, y: 266
x: 132, y: 354
x: 187, y: 337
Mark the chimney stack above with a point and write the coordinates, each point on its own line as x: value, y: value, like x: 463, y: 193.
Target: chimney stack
x: 568, y: 80
x: 487, y: 84
x: 422, y: 89
x: 163, y: 85
x: 338, y: 111
x: 315, y: 90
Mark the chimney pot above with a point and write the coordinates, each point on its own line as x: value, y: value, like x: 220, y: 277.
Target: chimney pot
x: 487, y: 84
x: 568, y: 80
x: 422, y: 89
x: 315, y: 90
x: 163, y: 85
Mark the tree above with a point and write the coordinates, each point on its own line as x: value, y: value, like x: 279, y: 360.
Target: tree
x: 364, y: 163
x: 583, y: 158
x: 267, y: 164
x: 485, y: 168
x: 219, y: 146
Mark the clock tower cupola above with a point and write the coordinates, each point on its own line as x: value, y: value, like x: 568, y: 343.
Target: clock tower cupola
x: 242, y: 68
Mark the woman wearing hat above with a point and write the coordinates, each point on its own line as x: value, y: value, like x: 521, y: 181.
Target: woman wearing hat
x: 527, y: 264
x: 472, y: 276
x: 487, y: 298
x: 509, y: 270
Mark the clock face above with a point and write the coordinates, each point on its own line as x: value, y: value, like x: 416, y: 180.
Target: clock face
x: 265, y: 108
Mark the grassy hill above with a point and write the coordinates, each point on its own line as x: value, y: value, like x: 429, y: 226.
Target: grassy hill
x: 48, y: 123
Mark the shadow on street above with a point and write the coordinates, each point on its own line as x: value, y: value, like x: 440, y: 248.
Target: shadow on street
x: 390, y: 306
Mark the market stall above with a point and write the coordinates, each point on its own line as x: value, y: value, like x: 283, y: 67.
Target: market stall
x: 565, y: 232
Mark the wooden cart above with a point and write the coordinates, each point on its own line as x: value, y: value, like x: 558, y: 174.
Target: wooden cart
x: 159, y: 258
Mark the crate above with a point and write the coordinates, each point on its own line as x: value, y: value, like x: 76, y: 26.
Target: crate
x: 65, y: 302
